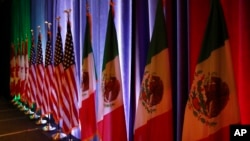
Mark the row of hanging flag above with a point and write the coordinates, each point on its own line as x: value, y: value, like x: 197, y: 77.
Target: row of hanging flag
x: 53, y: 87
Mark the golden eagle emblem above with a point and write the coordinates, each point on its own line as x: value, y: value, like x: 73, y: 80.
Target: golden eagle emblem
x: 208, y: 97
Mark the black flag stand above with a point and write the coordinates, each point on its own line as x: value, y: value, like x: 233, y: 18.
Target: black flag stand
x: 70, y: 137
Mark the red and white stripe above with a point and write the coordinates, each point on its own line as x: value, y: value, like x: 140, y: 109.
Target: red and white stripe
x: 32, y: 75
x: 40, y: 78
x: 70, y: 91
x: 58, y: 73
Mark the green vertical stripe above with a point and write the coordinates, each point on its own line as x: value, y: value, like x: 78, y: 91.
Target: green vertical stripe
x: 216, y: 31
x: 20, y: 21
x: 87, y: 49
x: 87, y: 40
x: 159, y: 36
x: 111, y: 43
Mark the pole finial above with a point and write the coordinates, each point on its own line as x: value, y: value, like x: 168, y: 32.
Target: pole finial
x: 48, y: 24
x: 32, y: 32
x: 87, y: 6
x: 58, y: 18
x: 58, y: 21
x: 112, y: 5
x: 67, y: 11
x: 39, y: 28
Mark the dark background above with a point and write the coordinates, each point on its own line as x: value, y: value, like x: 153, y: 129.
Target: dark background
x: 5, y: 37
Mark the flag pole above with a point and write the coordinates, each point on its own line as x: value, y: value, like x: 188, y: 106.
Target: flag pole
x: 30, y: 112
x: 17, y: 96
x: 67, y: 11
x: 58, y: 135
x: 14, y: 100
x: 48, y: 127
x: 112, y: 4
x: 25, y: 106
x: 87, y: 7
x: 29, y: 105
x: 21, y: 79
x: 29, y: 109
x: 41, y: 120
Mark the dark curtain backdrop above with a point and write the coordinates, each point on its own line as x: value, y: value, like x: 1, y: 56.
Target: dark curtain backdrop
x: 5, y: 30
x: 134, y: 20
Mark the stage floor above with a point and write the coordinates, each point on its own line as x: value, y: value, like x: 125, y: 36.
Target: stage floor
x: 15, y: 125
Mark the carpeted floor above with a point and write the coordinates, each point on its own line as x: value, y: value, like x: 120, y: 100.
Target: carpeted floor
x: 15, y: 125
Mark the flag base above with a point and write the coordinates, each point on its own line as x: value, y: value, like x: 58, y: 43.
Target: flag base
x: 24, y: 108
x: 15, y: 103
x: 41, y: 121
x: 34, y: 116
x: 20, y: 106
x: 48, y: 127
x: 58, y: 136
x: 29, y: 112
x: 13, y: 100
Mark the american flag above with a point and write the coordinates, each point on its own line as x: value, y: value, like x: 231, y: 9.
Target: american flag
x: 49, y: 93
x: 58, y: 70
x: 69, y: 84
x: 32, y: 73
x: 40, y: 76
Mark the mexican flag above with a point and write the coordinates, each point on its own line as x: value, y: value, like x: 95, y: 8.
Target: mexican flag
x: 88, y: 87
x: 18, y: 70
x: 12, y: 70
x: 26, y: 96
x: 154, y: 119
x: 212, y: 105
x: 22, y: 71
x: 111, y: 122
